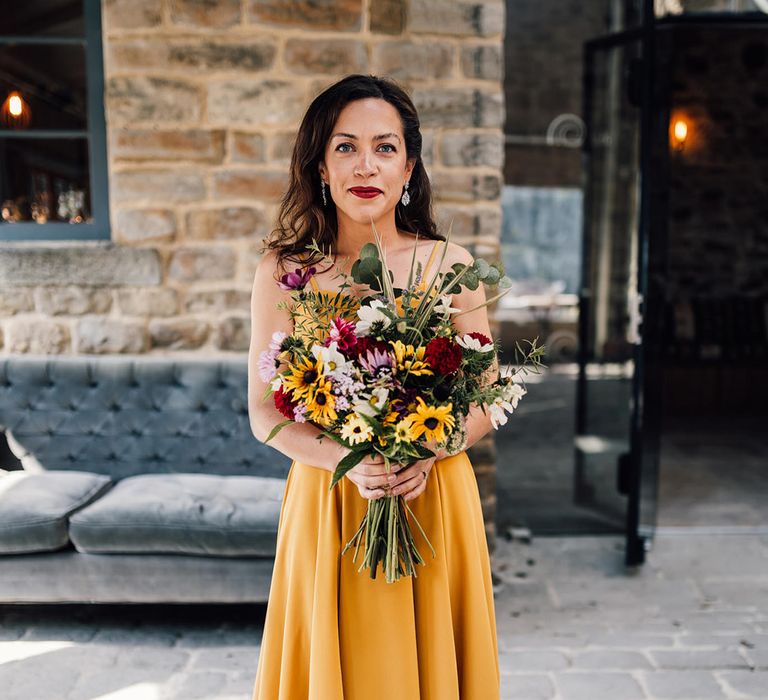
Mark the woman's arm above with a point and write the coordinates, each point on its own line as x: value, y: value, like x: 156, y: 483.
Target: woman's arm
x: 297, y: 440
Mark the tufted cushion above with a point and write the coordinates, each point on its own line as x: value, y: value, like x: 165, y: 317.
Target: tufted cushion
x: 185, y: 513
x: 34, y: 507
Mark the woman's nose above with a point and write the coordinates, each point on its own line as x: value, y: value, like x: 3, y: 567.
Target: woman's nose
x: 365, y: 163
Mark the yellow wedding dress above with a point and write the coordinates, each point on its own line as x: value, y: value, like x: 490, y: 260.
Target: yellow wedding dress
x: 333, y: 633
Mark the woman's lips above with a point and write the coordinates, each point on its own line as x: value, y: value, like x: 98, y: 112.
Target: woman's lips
x: 365, y: 194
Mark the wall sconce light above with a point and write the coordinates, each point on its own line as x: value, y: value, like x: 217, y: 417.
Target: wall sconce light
x: 679, y: 134
x: 15, y: 112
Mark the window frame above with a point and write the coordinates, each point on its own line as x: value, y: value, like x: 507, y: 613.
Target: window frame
x: 94, y: 134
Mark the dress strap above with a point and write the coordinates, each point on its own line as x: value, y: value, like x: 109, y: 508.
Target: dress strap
x: 429, y: 262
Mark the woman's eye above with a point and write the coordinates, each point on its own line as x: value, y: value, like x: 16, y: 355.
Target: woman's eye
x: 388, y: 145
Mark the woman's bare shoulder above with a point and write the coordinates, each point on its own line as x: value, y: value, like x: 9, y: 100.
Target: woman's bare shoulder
x: 455, y: 253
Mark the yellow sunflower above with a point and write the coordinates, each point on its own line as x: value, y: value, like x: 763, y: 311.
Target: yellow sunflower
x: 404, y: 431
x: 304, y: 377
x: 321, y: 406
x: 431, y: 421
x: 410, y: 359
x: 356, y: 429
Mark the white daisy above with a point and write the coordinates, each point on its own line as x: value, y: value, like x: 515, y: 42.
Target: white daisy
x: 369, y: 314
x: 334, y: 363
x: 513, y: 393
x: 373, y: 404
x: 498, y: 417
x: 443, y: 305
x: 470, y: 343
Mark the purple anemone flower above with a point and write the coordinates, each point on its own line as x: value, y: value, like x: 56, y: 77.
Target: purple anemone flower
x: 296, y: 280
x: 375, y: 360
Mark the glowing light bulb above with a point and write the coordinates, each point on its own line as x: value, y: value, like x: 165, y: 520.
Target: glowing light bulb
x: 15, y: 105
x: 680, y: 130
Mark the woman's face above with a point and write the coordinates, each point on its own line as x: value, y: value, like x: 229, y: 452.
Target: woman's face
x: 366, y: 150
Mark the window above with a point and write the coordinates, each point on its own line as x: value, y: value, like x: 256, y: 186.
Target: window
x: 53, y: 170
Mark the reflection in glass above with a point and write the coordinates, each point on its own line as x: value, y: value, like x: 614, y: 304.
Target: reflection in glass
x: 44, y: 180
x: 50, y: 78
x: 43, y: 18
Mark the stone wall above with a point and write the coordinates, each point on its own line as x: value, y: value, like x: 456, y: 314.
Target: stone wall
x: 202, y: 102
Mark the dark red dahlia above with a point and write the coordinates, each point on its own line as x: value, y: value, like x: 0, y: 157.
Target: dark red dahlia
x: 284, y: 403
x: 479, y: 336
x: 443, y: 355
x: 367, y: 343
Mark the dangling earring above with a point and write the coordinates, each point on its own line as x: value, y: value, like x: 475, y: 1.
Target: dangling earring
x: 406, y: 197
x: 322, y: 189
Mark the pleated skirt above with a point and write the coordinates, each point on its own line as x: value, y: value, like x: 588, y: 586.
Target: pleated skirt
x: 333, y: 633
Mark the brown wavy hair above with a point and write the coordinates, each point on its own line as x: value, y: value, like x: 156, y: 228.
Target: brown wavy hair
x: 302, y: 216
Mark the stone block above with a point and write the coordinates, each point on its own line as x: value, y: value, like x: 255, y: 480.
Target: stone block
x: 459, y: 107
x: 16, y: 299
x: 531, y: 686
x: 464, y: 186
x: 72, y: 300
x: 157, y: 186
x: 247, y: 147
x: 481, y: 149
x: 340, y: 15
x: 226, y: 223
x: 153, y: 144
x: 185, y: 54
x: 387, y: 16
x: 144, y: 224
x: 482, y: 62
x: 131, y: 14
x: 217, y: 301
x: 138, y: 98
x: 249, y: 184
x: 404, y: 60
x: 234, y: 333
x: 671, y: 685
x: 101, y: 335
x: 470, y: 225
x: 38, y: 337
x: 332, y: 56
x: 190, y: 264
x: 208, y: 14
x: 157, y: 301
x: 589, y: 686
x: 535, y: 660
x: 249, y: 101
x: 178, y: 333
x: 456, y: 18
x: 103, y: 265
x: 611, y: 659
x: 281, y: 147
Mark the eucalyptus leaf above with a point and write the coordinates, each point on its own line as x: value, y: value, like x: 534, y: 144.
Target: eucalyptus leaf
x: 493, y: 276
x: 470, y: 280
x: 505, y: 282
x: 482, y: 268
x: 369, y: 251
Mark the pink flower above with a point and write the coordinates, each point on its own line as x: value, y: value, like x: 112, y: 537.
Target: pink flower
x: 343, y: 332
x: 296, y: 280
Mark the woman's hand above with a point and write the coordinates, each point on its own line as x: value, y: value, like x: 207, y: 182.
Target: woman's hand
x: 371, y: 477
x: 412, y: 481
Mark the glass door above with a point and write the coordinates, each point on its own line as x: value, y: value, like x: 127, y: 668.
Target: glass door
x: 609, y: 392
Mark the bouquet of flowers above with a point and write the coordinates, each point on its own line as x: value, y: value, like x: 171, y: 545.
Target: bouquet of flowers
x: 389, y: 375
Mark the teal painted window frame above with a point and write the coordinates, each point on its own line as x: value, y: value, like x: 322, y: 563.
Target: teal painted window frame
x: 98, y: 228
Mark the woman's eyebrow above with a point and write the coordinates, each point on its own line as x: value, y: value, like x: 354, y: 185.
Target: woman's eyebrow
x: 375, y: 138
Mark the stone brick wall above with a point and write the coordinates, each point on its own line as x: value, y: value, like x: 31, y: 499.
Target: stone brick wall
x: 203, y: 98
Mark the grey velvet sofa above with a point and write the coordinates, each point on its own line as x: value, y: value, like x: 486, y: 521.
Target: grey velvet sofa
x: 140, y: 481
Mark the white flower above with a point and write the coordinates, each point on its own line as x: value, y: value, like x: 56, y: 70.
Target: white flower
x: 277, y: 382
x: 373, y: 404
x: 334, y: 363
x: 470, y: 343
x: 513, y: 393
x: 498, y: 417
x: 443, y: 306
x: 370, y: 314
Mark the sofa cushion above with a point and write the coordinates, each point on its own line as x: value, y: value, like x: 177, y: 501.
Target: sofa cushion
x: 34, y: 507
x: 183, y: 513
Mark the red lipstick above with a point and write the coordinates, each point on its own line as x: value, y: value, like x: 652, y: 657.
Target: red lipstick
x: 365, y: 192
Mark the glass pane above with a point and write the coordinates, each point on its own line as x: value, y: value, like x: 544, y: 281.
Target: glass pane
x: 42, y: 87
x: 43, y: 18
x: 610, y: 280
x: 44, y: 180
x: 662, y: 8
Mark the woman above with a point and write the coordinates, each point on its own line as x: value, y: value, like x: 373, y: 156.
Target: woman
x: 331, y: 632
